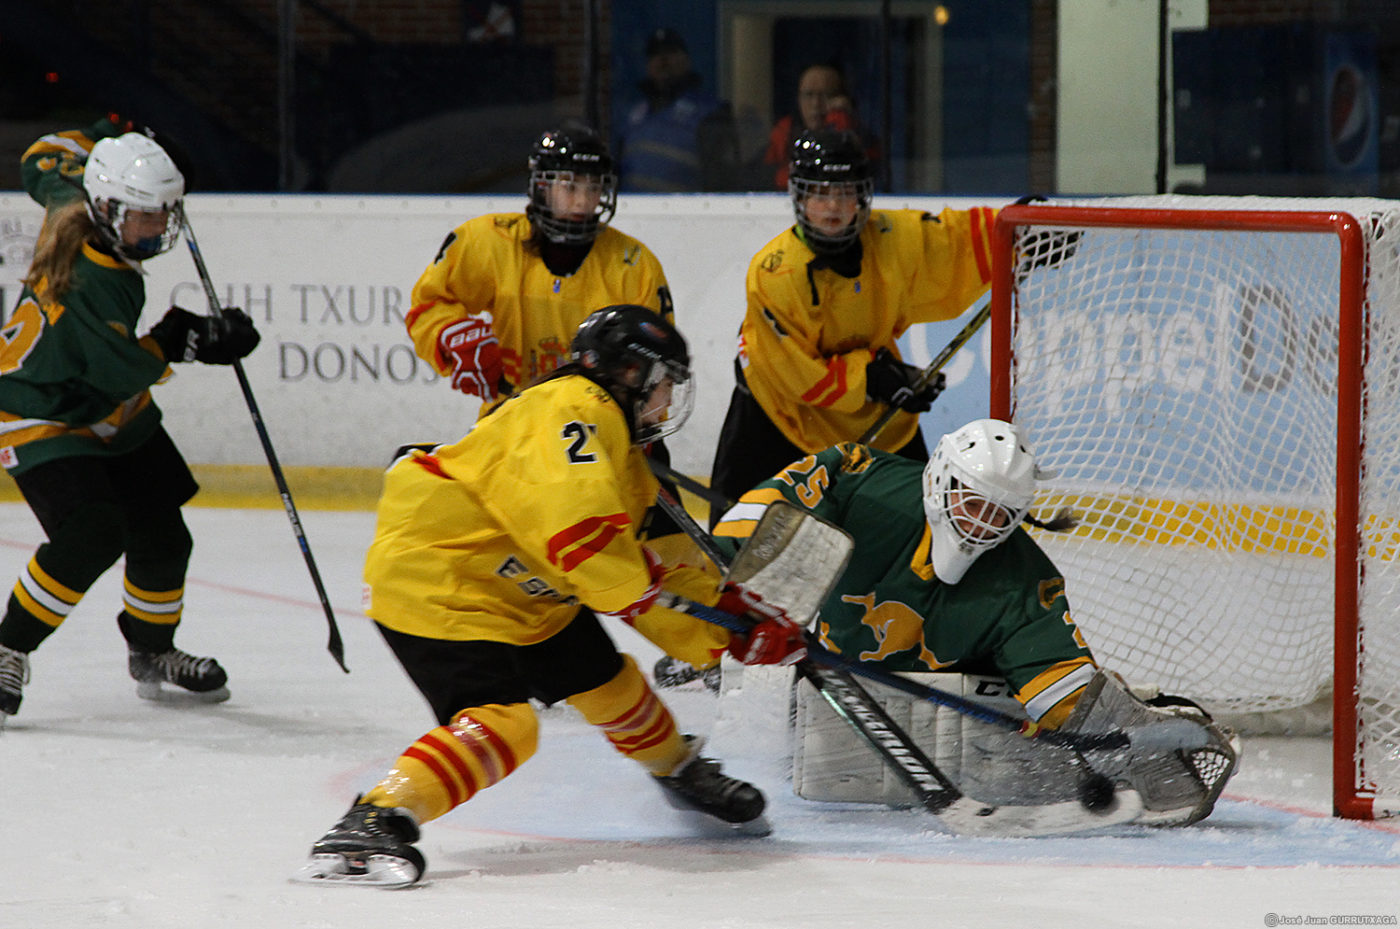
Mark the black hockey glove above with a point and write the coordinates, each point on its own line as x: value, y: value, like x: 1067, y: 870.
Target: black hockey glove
x: 891, y: 380
x: 184, y: 336
x: 1047, y: 248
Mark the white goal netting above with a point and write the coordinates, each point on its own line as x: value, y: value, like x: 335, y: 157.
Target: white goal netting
x: 1182, y: 384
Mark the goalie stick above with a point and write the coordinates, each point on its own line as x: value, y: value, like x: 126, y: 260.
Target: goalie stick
x: 334, y: 645
x: 792, y: 559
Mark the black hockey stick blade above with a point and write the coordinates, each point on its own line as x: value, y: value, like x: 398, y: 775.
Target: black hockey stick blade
x: 334, y: 643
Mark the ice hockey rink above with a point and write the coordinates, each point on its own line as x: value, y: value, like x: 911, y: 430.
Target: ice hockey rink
x: 123, y: 813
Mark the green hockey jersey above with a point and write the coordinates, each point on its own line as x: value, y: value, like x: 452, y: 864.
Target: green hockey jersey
x: 74, y: 378
x: 1009, y: 615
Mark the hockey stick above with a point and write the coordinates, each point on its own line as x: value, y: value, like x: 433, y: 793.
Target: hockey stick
x: 665, y: 472
x: 935, y: 792
x: 934, y: 366
x: 971, y: 708
x: 334, y: 645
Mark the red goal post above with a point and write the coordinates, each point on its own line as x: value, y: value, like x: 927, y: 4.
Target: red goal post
x: 1214, y: 384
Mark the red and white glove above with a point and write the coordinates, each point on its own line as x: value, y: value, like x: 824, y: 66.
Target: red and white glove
x: 774, y: 638
x: 470, y: 346
x: 629, y: 613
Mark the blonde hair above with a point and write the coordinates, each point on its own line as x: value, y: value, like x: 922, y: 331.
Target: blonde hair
x: 65, y: 230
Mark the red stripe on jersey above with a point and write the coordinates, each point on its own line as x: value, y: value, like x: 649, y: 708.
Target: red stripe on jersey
x: 981, y: 247
x: 831, y: 387
x: 417, y: 311
x: 571, y: 547
x: 429, y: 463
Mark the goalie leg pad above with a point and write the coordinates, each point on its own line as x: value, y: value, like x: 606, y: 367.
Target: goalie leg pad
x: 1177, y: 759
x: 988, y: 762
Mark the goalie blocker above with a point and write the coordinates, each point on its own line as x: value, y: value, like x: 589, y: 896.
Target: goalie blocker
x: 1177, y: 759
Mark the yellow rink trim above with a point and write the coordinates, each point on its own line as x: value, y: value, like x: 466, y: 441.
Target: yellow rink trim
x: 1239, y: 527
x: 313, y: 488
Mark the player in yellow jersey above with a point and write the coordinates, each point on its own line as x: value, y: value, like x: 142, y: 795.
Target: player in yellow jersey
x: 502, y: 299
x: 489, y: 559
x: 817, y: 362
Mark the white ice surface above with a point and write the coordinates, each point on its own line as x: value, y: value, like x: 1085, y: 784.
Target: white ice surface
x: 116, y: 812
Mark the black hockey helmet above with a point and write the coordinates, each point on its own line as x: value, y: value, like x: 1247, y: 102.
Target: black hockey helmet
x: 576, y: 151
x: 822, y: 159
x: 628, y: 350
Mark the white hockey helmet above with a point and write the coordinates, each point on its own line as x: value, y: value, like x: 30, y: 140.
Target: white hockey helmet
x: 132, y: 173
x: 978, y: 486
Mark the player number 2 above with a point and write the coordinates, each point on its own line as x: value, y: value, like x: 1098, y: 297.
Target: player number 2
x: 577, y: 435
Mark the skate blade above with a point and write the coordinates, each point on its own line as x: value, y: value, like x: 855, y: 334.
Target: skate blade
x: 712, y: 827
x: 383, y: 871
x: 157, y: 693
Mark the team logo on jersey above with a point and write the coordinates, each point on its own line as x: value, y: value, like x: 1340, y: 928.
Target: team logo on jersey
x: 1050, y: 590
x: 897, y: 628
x: 631, y: 254
x: 773, y: 260
x: 547, y: 357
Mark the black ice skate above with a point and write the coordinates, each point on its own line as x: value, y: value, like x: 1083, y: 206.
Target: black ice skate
x: 201, y: 679
x: 671, y: 672
x: 371, y: 846
x: 14, y: 674
x: 698, y: 784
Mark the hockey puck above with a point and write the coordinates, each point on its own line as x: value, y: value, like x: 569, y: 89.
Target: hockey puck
x: 1096, y: 793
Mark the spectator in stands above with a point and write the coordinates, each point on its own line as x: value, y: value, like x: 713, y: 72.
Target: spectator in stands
x: 680, y: 137
x: 822, y: 102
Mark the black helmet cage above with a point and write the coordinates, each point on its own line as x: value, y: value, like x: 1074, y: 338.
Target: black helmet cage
x: 628, y: 350
x: 574, y: 152
x: 822, y: 158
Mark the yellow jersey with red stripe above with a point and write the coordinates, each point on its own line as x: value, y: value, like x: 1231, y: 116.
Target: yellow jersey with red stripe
x: 809, y: 331
x: 490, y: 263
x: 503, y: 534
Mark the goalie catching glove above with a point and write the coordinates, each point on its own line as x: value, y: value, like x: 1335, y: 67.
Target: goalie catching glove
x: 471, y: 348
x: 896, y: 383
x: 773, y: 639
x: 216, y: 340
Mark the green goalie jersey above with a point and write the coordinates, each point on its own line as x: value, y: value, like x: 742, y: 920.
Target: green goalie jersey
x: 1008, y: 616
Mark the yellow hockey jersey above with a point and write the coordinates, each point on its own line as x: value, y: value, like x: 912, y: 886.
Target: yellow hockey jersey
x: 503, y: 534
x: 809, y: 332
x: 489, y: 263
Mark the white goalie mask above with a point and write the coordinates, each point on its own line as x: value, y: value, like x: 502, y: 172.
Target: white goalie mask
x: 134, y: 192
x: 978, y: 486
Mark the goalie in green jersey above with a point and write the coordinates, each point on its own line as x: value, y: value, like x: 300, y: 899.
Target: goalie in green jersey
x: 944, y: 578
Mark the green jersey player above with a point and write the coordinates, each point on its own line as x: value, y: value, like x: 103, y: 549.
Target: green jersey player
x: 943, y: 577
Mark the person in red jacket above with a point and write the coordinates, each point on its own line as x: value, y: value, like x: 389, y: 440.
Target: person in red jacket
x: 822, y: 102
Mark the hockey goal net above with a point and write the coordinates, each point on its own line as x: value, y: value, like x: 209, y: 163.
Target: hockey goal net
x: 1215, y: 385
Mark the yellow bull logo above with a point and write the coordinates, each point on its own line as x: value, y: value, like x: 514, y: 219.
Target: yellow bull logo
x: 897, y: 628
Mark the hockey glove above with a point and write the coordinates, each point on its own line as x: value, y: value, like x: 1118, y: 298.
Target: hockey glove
x: 891, y: 380
x: 470, y: 346
x: 629, y: 613
x: 773, y: 639
x: 216, y: 340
